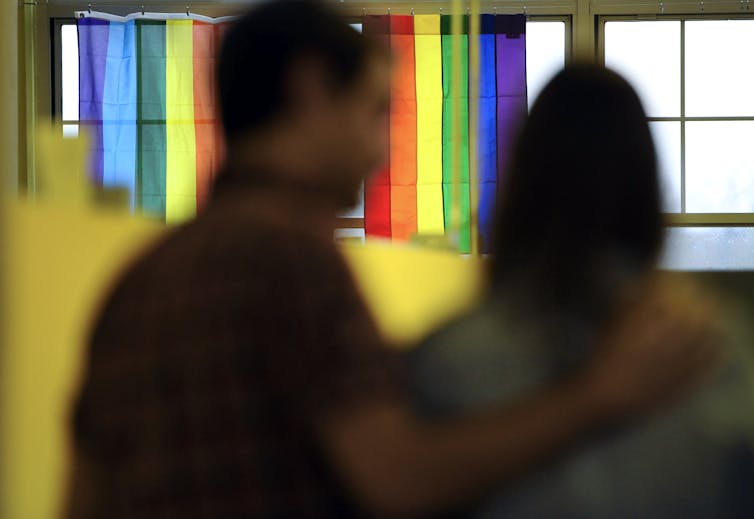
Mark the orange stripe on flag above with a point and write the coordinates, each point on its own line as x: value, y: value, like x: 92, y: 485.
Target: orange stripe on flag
x: 204, y: 109
x: 403, y: 129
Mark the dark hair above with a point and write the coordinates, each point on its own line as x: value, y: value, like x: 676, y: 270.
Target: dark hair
x: 582, y: 182
x: 261, y: 46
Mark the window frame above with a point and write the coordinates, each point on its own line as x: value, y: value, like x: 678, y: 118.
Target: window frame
x: 56, y: 66
x: 683, y: 219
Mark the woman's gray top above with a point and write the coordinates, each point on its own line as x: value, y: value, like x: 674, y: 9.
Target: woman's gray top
x: 694, y: 460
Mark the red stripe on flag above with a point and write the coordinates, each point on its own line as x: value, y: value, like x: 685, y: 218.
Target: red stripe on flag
x: 377, y: 189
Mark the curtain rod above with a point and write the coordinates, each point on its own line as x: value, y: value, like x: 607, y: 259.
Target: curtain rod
x: 342, y: 4
x: 136, y: 4
x: 143, y: 15
x: 188, y: 15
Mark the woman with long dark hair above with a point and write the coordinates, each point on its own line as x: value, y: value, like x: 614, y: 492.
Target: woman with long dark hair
x: 579, y: 231
x: 581, y: 191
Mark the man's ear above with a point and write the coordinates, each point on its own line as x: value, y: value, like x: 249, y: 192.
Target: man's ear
x: 307, y: 87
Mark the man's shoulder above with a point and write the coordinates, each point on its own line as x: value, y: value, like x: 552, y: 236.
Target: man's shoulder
x: 240, y: 229
x: 236, y: 242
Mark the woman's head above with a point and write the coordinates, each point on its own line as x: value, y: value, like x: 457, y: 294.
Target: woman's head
x: 581, y: 185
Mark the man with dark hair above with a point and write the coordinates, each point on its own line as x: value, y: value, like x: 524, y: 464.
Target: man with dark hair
x: 235, y: 371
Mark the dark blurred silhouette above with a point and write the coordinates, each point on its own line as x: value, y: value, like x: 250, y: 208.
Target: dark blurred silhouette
x: 579, y: 232
x: 581, y: 191
x: 234, y: 370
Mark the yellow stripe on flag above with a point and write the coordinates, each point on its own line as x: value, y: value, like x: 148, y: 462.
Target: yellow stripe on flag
x: 428, y: 48
x: 180, y: 188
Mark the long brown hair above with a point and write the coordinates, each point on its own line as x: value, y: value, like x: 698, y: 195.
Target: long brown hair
x: 582, y: 183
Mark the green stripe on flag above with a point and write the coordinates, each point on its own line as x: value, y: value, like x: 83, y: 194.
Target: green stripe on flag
x: 448, y: 146
x: 152, y: 133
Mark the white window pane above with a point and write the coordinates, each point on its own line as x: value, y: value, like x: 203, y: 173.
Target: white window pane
x: 70, y: 131
x: 350, y: 235
x: 648, y: 55
x: 720, y: 167
x: 719, y: 68
x: 708, y: 248
x: 356, y: 26
x: 667, y: 138
x: 357, y: 211
x: 69, y: 54
x: 545, y: 55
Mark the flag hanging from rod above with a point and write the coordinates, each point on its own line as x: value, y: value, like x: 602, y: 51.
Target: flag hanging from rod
x: 146, y: 98
x: 414, y: 193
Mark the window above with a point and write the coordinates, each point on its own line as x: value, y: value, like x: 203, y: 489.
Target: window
x: 545, y: 54
x: 69, y: 56
x: 695, y: 80
x: 708, y: 248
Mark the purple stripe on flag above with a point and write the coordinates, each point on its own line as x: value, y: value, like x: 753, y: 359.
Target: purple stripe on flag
x: 93, y: 41
x: 511, y: 91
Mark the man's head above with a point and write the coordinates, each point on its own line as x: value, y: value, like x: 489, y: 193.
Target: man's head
x: 292, y: 72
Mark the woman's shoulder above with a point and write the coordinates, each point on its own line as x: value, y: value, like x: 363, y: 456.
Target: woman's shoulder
x: 480, y: 359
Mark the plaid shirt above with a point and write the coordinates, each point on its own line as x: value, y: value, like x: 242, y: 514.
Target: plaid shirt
x: 212, y: 359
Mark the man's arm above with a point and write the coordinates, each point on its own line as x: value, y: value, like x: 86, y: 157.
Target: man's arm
x: 396, y: 465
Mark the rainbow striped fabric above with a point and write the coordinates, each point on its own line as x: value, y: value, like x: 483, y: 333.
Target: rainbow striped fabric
x: 147, y: 100
x: 412, y: 195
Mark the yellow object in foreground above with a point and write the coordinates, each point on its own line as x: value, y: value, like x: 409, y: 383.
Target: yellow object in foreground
x: 412, y: 291
x: 59, y: 262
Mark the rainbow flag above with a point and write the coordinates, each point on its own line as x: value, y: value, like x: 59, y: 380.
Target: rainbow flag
x: 412, y: 194
x: 146, y: 97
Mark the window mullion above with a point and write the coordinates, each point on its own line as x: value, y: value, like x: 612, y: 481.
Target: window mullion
x: 683, y: 116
